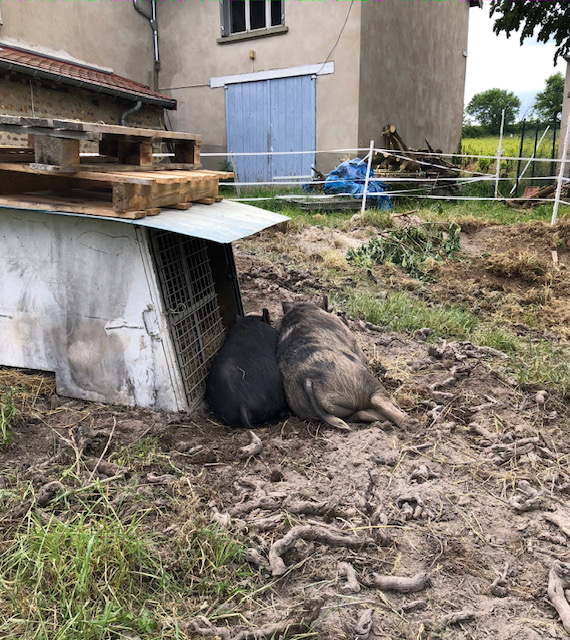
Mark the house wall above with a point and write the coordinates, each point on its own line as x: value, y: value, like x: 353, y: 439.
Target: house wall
x: 108, y: 34
x: 22, y: 95
x: 412, y: 72
x: 194, y: 56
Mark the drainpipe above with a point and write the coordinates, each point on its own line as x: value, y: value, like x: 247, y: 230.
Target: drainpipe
x: 154, y: 26
x: 130, y: 111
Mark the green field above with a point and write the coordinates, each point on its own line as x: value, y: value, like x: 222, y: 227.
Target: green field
x: 510, y: 147
x: 481, y: 151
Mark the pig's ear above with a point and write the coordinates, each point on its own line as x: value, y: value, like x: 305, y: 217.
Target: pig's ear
x: 287, y: 306
x: 325, y: 302
x: 265, y: 316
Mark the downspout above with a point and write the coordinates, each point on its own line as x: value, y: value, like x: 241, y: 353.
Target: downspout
x: 128, y: 112
x: 154, y: 26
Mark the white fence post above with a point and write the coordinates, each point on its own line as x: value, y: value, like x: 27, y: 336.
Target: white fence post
x: 560, y: 175
x: 499, y: 151
x: 370, y: 154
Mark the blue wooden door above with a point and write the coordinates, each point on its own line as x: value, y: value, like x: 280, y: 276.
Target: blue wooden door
x: 270, y: 116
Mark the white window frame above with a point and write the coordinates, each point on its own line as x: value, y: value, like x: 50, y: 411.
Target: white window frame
x: 225, y: 19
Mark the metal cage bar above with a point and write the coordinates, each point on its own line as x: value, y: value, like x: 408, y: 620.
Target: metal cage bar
x: 191, y: 304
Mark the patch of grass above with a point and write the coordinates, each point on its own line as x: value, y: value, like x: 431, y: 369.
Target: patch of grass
x: 376, y: 218
x: 89, y: 573
x: 217, y: 561
x: 541, y: 364
x: 7, y: 415
x: 525, y: 265
x: 89, y: 578
x: 400, y: 312
x: 533, y: 363
x: 142, y: 454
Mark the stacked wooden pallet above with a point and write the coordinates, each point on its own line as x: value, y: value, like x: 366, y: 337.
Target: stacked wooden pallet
x: 124, y: 180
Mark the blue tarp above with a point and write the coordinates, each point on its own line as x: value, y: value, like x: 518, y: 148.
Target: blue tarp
x: 349, y: 177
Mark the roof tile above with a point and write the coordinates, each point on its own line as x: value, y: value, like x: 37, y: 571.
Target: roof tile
x: 70, y: 72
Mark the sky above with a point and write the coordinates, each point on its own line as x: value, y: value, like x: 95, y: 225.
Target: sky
x: 499, y: 62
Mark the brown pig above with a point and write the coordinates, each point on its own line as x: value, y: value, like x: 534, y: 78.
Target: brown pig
x: 324, y: 371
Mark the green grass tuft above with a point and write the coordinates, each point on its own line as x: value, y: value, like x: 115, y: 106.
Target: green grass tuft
x: 90, y: 578
x: 7, y: 415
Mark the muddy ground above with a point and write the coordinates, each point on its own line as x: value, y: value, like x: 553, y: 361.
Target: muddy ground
x: 470, y: 504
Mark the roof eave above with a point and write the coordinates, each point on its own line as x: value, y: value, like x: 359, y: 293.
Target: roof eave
x: 91, y: 86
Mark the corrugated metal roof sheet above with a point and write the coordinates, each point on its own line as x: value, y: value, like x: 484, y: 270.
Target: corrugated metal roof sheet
x: 31, y: 63
x: 221, y: 222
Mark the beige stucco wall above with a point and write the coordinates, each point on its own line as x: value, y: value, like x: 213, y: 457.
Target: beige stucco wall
x: 109, y: 34
x: 412, y: 71
x: 194, y: 56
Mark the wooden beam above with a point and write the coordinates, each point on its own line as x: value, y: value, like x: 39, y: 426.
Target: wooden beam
x: 57, y: 151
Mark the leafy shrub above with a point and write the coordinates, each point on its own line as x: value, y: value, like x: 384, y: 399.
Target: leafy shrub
x: 412, y: 248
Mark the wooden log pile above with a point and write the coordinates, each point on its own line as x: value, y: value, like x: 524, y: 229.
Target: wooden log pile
x: 422, y: 162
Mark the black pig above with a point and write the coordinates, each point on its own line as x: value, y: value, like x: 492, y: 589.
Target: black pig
x: 244, y: 385
x: 324, y: 371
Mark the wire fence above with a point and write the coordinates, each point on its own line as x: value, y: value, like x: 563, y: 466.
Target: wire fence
x: 466, y: 166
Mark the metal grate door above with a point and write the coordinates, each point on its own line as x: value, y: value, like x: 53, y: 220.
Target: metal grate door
x: 189, y: 296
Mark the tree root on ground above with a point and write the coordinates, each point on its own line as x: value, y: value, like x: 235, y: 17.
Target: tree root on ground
x: 266, y: 503
x: 346, y: 570
x: 363, y: 627
x: 312, y: 533
x: 456, y: 617
x: 252, y: 449
x: 503, y: 452
x: 291, y: 626
x: 456, y: 373
x: 499, y: 585
x: 561, y: 521
x: 558, y: 580
x: 401, y: 584
x: 307, y: 507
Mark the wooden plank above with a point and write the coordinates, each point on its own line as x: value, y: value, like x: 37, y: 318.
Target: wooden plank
x: 130, y: 197
x: 21, y: 182
x: 102, y: 167
x: 55, y: 133
x: 57, y: 151
x: 86, y: 175
x: 68, y: 205
x: 183, y: 206
x: 62, y: 125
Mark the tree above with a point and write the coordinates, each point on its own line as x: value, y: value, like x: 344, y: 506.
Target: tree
x: 487, y: 107
x: 552, y: 18
x: 548, y: 103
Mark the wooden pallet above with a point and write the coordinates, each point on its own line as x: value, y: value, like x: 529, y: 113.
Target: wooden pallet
x: 56, y: 145
x: 114, y: 194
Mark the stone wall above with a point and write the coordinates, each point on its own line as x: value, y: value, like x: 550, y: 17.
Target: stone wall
x: 22, y: 95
